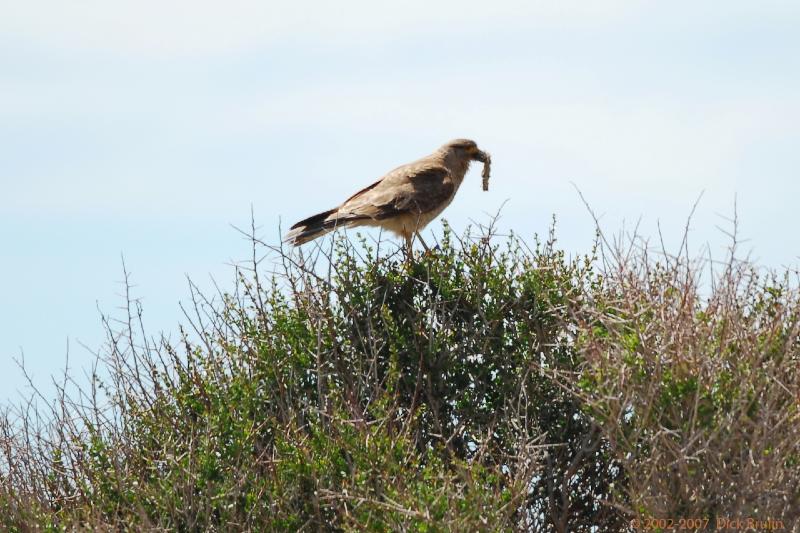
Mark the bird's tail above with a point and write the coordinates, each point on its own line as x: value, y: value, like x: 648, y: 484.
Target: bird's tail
x: 318, y: 225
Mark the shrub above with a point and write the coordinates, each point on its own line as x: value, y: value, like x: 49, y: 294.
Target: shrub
x: 484, y: 386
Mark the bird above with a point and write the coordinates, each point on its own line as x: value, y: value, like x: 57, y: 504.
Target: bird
x: 404, y: 200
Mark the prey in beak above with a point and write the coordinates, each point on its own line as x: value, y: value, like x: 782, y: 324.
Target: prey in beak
x: 486, y: 159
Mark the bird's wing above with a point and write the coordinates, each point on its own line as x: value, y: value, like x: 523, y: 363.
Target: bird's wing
x: 416, y: 188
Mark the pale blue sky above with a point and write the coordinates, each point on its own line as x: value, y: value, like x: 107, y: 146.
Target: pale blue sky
x: 147, y: 128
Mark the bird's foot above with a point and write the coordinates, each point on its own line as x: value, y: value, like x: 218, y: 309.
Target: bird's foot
x: 429, y: 252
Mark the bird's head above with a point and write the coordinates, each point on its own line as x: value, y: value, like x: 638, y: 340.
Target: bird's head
x: 466, y: 149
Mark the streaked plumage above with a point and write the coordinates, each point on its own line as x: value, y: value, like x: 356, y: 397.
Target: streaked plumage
x: 403, y: 201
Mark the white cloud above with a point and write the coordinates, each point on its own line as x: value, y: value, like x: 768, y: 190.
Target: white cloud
x: 201, y: 27
x: 190, y: 27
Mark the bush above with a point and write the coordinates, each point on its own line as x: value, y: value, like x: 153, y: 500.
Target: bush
x: 484, y: 386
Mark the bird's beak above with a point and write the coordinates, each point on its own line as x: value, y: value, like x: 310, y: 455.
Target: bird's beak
x: 480, y: 156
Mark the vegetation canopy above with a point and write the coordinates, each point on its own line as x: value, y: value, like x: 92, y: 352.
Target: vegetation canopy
x: 487, y: 385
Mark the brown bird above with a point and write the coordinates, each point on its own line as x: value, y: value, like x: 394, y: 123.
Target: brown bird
x: 403, y: 201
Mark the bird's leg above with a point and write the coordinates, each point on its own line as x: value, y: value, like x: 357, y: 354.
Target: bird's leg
x: 409, y: 247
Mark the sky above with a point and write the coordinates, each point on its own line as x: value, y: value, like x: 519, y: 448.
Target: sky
x: 146, y: 130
